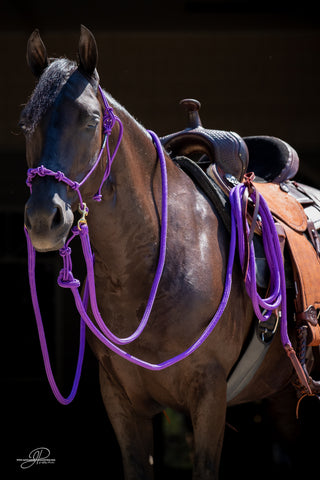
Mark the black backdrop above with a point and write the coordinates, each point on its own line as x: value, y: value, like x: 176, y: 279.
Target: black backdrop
x: 255, y: 68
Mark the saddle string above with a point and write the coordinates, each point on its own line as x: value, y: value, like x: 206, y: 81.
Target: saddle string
x: 66, y: 279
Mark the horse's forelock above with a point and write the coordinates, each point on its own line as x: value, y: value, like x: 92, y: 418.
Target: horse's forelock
x: 50, y: 84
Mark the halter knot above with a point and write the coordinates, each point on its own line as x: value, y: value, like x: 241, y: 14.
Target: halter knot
x: 66, y: 278
x: 64, y: 251
x: 74, y: 185
x: 60, y: 176
x: 108, y: 120
x: 97, y: 197
x: 42, y: 171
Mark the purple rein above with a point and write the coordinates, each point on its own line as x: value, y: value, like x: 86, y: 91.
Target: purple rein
x: 277, y: 295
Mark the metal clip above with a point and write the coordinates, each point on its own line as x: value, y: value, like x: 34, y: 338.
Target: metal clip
x: 231, y: 180
x: 84, y: 212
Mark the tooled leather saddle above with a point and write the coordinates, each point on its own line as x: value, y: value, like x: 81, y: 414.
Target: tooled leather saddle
x: 217, y: 160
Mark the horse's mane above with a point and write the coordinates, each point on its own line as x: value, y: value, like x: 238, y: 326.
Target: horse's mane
x: 46, y: 91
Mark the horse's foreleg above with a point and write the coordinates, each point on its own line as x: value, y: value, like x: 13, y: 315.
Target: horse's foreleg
x: 208, y: 418
x: 134, y: 432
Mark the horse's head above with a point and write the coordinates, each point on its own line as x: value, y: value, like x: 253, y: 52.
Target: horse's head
x: 63, y: 125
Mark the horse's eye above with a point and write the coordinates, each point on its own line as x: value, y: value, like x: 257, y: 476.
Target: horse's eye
x: 93, y: 121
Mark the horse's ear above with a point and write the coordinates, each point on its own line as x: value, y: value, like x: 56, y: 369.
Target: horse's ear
x: 88, y: 51
x: 36, y: 54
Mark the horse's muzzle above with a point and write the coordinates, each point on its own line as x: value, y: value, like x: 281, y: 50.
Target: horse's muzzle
x: 48, y: 219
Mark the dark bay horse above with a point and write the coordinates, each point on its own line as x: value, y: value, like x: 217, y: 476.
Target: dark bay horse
x: 63, y: 127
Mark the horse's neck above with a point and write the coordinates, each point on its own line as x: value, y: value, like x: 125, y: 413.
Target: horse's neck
x: 124, y: 227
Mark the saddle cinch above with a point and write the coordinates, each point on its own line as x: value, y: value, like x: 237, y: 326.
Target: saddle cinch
x: 226, y: 157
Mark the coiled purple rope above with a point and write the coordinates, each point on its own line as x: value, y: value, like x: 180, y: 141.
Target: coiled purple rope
x: 277, y: 295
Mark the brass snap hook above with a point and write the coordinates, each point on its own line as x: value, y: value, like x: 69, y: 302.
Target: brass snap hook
x: 84, y: 212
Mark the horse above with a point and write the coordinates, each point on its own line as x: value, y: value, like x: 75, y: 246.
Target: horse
x: 63, y: 123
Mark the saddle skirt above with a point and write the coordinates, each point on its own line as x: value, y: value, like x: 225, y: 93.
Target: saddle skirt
x: 302, y: 240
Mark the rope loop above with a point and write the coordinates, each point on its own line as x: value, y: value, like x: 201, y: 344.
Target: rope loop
x: 69, y: 282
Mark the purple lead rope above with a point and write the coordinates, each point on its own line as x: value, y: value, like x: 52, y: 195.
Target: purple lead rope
x: 44, y: 349
x: 276, y: 297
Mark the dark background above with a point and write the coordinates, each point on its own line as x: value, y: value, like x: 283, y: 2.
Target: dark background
x: 254, y: 65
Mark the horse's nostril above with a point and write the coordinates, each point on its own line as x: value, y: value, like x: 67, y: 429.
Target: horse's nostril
x: 56, y: 221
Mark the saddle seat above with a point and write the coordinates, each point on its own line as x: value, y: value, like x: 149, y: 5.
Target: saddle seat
x: 272, y: 159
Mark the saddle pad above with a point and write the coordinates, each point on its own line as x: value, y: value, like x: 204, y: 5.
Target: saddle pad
x: 214, y: 193
x: 283, y: 205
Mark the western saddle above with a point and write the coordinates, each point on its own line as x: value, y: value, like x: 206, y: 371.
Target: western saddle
x: 217, y: 160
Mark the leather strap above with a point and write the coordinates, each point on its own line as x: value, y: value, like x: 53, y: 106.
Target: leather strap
x: 298, y: 368
x: 314, y: 236
x: 306, y: 271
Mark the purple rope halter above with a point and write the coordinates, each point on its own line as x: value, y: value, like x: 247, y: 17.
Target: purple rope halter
x: 109, y: 120
x: 67, y: 280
